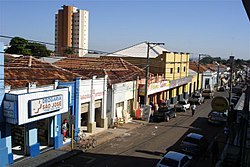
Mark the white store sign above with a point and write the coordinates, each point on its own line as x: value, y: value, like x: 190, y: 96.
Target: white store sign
x: 46, y: 105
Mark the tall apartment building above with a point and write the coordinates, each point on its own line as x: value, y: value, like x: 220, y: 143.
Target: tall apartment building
x: 71, y: 30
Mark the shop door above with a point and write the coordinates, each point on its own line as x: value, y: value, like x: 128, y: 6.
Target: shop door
x: 44, y: 128
x: 98, y: 112
x: 18, y: 140
x: 84, y: 114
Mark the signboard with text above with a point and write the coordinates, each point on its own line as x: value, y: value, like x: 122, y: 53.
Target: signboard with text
x: 45, y: 105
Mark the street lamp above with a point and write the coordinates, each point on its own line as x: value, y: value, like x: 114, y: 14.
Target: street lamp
x: 147, y: 69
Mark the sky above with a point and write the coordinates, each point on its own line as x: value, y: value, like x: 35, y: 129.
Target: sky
x: 219, y: 28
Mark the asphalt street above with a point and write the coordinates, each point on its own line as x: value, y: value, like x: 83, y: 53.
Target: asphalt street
x: 145, y: 145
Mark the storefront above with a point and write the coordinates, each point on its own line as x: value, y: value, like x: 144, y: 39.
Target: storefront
x: 92, y: 104
x: 34, y: 120
x: 168, y: 91
x: 121, y: 101
x: 180, y: 89
x: 156, y: 92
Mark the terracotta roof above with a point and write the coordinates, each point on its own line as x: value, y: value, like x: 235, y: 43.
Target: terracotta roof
x: 194, y: 66
x: 17, y: 73
x: 117, y: 69
x: 215, y: 66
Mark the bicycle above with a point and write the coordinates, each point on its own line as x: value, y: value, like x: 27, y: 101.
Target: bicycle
x: 84, y: 142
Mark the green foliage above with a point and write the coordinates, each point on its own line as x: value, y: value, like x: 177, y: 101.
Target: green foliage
x: 18, y: 46
x: 69, y: 51
x: 38, y: 50
x: 24, y: 47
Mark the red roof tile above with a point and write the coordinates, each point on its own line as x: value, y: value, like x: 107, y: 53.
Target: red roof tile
x: 117, y: 69
x: 194, y: 66
x: 17, y: 73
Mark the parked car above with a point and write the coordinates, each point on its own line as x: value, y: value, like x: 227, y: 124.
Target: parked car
x: 182, y: 105
x: 217, y: 118
x: 164, y: 113
x: 196, y: 98
x: 194, y: 144
x: 175, y: 159
x: 208, y: 93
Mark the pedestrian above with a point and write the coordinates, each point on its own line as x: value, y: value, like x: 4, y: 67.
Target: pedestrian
x: 193, y: 107
x: 65, y: 128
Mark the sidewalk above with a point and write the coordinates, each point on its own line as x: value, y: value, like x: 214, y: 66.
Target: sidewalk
x: 65, y: 151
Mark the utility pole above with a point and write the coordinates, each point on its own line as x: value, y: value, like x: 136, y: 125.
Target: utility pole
x: 147, y: 70
x: 231, y: 58
x: 230, y: 114
x: 218, y: 72
x: 198, y: 77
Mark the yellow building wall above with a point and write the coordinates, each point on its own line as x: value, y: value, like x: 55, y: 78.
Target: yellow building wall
x: 194, y: 80
x: 174, y: 92
x: 173, y: 61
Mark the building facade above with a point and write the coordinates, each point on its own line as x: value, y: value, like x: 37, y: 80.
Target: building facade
x: 122, y: 84
x: 171, y: 66
x: 33, y: 119
x: 71, y: 30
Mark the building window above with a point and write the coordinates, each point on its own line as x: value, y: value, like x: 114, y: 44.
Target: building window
x: 178, y: 70
x: 184, y: 69
x: 171, y: 70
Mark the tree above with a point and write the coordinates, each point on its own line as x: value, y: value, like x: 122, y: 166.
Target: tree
x: 69, y: 51
x: 24, y: 47
x: 38, y: 50
x: 18, y: 46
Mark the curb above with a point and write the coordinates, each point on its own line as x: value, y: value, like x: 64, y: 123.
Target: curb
x: 60, y: 158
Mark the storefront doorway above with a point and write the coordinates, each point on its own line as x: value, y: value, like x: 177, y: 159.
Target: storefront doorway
x: 67, y: 125
x: 18, y: 141
x: 98, y: 112
x: 43, y: 132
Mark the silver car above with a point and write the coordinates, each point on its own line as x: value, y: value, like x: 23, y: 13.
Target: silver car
x: 174, y: 159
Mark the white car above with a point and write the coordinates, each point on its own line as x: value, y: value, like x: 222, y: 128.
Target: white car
x: 182, y: 105
x: 174, y: 159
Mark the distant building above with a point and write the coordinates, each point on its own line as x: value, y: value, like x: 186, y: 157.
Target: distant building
x: 71, y: 30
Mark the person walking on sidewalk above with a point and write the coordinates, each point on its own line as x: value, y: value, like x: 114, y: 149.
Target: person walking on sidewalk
x: 193, y: 107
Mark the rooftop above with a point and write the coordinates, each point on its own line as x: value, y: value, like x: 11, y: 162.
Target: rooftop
x: 23, y: 70
x: 117, y: 69
x: 194, y: 66
x: 139, y: 50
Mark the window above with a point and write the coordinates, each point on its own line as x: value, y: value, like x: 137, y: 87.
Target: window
x: 171, y: 70
x: 184, y: 69
x: 178, y: 70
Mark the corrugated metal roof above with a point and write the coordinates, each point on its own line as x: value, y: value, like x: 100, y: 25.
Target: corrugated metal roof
x: 139, y: 50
